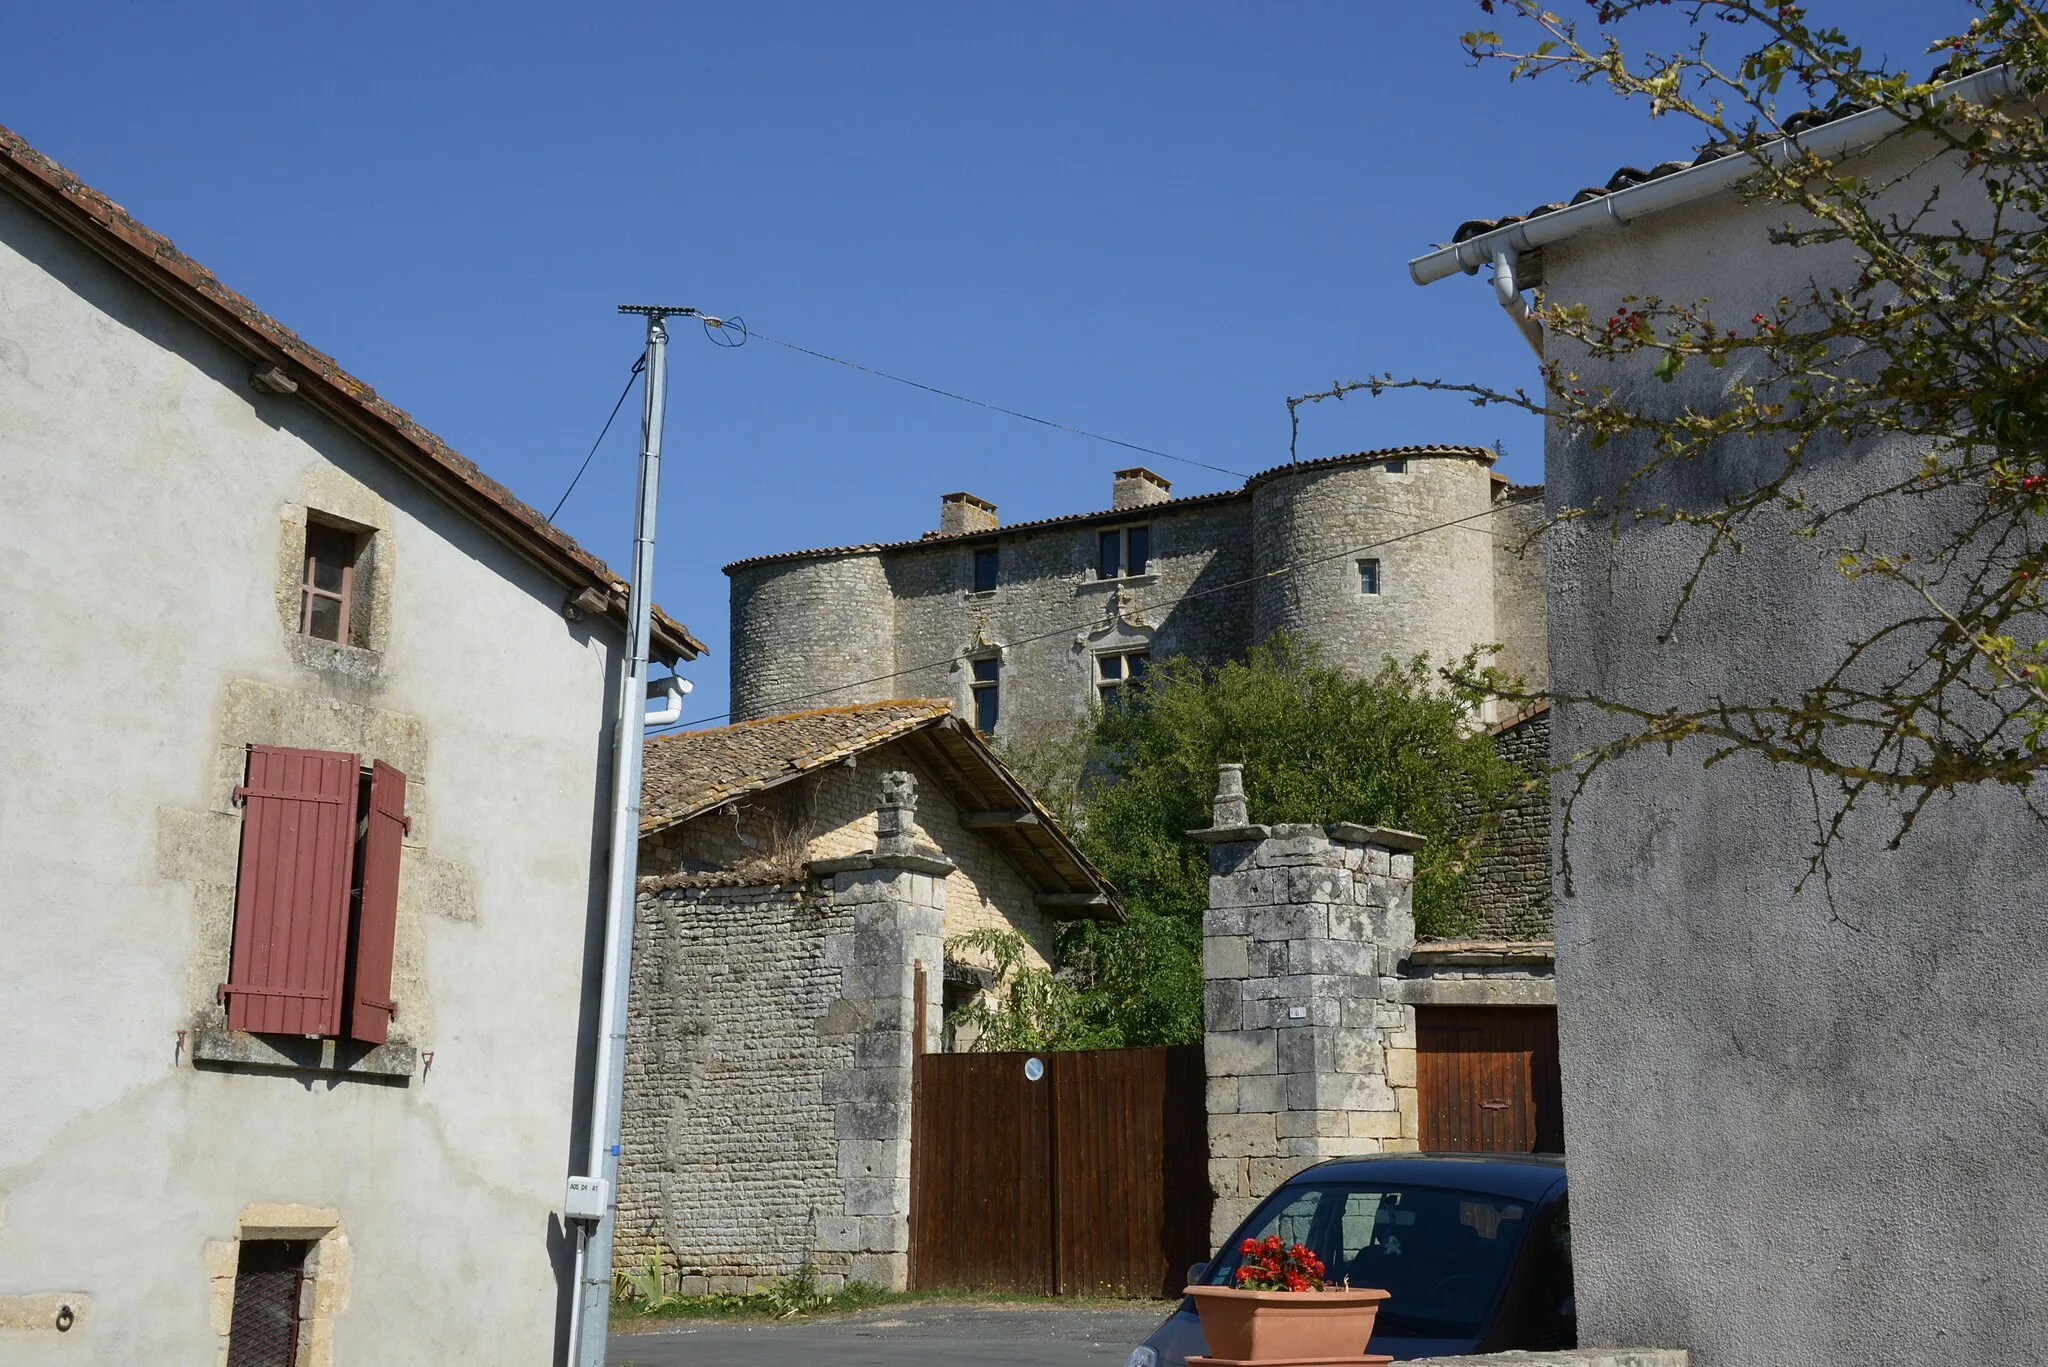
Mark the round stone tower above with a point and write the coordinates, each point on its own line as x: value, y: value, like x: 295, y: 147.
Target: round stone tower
x: 803, y: 625
x: 1367, y: 582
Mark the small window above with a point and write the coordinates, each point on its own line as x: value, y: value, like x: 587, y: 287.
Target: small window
x: 1116, y: 671
x: 1126, y: 550
x: 270, y: 1279
x: 987, y: 693
x: 1369, y: 577
x: 985, y: 564
x: 329, y: 584
x: 1395, y: 467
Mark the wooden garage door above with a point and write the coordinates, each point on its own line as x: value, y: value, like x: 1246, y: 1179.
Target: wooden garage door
x: 1488, y: 1080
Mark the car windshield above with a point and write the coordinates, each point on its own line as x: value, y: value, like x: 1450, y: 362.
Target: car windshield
x: 1441, y: 1254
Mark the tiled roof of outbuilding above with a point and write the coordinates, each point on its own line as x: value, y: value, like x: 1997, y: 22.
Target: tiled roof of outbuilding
x: 684, y: 773
x: 687, y: 773
x: 153, y: 261
x: 1128, y: 514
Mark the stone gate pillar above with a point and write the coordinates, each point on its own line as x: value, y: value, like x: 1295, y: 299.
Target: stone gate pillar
x: 1309, y: 1049
x: 894, y: 911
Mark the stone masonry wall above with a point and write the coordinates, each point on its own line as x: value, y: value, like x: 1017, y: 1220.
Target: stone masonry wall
x: 838, y: 620
x: 1509, y: 895
x: 1309, y: 1047
x: 728, y: 1148
x: 805, y: 625
x: 766, y: 1129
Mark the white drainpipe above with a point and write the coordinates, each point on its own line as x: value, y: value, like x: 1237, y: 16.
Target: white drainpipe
x: 674, y: 690
x: 1509, y: 291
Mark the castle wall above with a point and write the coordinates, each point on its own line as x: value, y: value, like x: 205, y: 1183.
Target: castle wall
x: 800, y: 627
x: 1435, y: 587
x: 1519, y: 567
x: 1049, y: 615
x: 911, y: 613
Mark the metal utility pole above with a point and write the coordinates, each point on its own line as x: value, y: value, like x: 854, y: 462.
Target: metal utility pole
x: 592, y: 1203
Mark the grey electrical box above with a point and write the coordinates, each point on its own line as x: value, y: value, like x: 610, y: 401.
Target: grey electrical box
x: 590, y: 1198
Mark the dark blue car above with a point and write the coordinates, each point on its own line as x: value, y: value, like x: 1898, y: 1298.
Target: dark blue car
x: 1475, y: 1250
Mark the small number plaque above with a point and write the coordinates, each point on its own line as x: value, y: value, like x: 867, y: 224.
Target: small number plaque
x: 1034, y: 1069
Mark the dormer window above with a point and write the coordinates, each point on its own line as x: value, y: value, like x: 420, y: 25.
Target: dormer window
x: 328, y: 588
x: 1123, y: 551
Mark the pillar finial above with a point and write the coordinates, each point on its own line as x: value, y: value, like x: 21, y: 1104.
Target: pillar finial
x: 1230, y: 810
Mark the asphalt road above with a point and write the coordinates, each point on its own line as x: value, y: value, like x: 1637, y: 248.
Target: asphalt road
x: 940, y: 1334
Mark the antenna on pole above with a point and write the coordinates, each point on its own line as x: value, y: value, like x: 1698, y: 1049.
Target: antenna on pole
x: 592, y: 1197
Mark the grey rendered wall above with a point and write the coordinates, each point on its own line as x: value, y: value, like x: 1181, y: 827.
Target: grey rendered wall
x: 1805, y: 1123
x: 147, y: 497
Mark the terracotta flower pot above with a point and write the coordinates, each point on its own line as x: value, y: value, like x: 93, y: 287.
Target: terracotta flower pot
x: 1267, y: 1326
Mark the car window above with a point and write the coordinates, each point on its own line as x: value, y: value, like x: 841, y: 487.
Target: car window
x: 1441, y: 1254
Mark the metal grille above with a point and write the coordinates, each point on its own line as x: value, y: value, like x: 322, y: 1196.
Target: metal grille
x: 265, y: 1328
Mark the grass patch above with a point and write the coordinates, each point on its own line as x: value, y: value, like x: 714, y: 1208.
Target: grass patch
x: 637, y: 1302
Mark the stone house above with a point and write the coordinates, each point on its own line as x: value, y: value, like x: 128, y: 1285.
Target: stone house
x: 303, y: 905
x: 801, y: 876
x: 1811, y: 1101
x: 1395, y: 552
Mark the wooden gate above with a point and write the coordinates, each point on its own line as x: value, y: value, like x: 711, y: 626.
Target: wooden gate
x: 1487, y: 1079
x: 1092, y: 1178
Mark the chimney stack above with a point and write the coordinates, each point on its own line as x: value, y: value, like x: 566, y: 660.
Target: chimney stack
x: 963, y: 513
x: 1136, y: 487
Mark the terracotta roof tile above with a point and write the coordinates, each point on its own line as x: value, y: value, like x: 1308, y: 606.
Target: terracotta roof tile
x: 684, y: 773
x: 1627, y: 176
x: 154, y: 262
x: 1128, y: 514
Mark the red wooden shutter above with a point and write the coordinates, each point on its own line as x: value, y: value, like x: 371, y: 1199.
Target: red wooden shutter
x: 291, y: 897
x: 377, y: 920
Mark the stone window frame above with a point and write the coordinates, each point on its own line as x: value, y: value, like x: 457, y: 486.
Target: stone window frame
x: 1122, y: 531
x: 1107, y: 688
x: 978, y: 687
x: 323, y: 1295
x: 363, y: 516
x: 993, y: 550
x: 1377, y: 574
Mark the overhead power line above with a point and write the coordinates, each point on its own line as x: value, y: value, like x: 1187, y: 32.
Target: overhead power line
x: 746, y: 333
x: 639, y: 364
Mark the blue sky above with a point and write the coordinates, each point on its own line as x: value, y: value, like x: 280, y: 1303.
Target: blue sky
x: 1154, y: 221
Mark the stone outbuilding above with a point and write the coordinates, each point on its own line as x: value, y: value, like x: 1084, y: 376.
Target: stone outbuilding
x: 801, y: 877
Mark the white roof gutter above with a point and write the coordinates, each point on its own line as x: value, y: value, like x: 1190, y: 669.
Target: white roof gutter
x: 1832, y: 139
